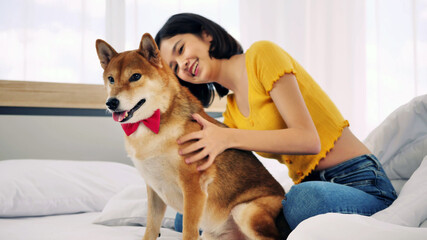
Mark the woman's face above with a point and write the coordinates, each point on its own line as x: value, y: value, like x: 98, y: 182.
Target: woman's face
x: 188, y: 56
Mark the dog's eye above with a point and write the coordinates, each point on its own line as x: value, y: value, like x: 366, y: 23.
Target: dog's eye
x: 111, y: 80
x: 135, y: 77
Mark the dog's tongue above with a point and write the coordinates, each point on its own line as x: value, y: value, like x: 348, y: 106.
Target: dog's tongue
x: 119, y: 116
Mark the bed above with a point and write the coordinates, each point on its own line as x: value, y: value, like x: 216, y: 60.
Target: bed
x: 64, y: 175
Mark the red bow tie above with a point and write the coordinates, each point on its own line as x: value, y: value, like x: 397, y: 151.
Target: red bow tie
x: 153, y: 123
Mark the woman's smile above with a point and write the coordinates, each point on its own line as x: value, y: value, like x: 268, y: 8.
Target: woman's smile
x: 194, y: 69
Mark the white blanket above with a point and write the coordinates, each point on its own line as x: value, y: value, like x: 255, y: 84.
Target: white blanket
x: 335, y: 226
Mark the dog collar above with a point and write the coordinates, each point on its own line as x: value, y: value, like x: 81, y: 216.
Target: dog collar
x: 153, y: 123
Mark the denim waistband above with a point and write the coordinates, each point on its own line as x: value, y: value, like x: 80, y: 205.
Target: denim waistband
x: 363, y: 172
x: 353, y: 164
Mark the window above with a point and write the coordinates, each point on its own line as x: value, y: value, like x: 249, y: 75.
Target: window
x: 54, y: 40
x: 396, y: 50
x: 50, y: 40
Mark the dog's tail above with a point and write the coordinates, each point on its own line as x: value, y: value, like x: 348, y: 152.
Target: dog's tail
x: 283, y: 226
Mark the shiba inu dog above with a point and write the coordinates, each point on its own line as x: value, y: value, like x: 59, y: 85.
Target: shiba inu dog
x: 236, y: 198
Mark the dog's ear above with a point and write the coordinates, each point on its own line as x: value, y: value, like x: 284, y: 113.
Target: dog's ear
x: 105, y: 52
x: 148, y: 48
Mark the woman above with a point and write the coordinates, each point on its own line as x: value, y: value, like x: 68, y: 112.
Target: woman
x: 277, y: 110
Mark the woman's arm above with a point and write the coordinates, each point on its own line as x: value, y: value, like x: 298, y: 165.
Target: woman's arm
x: 299, y: 138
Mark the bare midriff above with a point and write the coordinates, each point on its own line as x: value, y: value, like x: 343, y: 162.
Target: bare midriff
x: 345, y: 148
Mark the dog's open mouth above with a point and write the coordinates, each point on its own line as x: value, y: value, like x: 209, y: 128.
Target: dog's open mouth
x: 126, y: 115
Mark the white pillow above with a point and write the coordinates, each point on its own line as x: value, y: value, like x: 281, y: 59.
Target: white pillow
x: 400, y: 141
x: 46, y: 187
x: 410, y: 208
x: 129, y: 208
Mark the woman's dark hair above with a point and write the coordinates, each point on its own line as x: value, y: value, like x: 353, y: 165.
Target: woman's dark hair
x: 223, y: 45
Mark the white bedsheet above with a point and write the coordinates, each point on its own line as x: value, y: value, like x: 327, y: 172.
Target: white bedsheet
x: 72, y: 227
x: 353, y: 227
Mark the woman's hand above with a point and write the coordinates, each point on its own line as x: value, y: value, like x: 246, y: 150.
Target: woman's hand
x: 211, y: 141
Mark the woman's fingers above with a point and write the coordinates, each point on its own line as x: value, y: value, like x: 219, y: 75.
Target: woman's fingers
x: 207, y: 164
x: 191, y: 148
x: 204, y: 147
x: 197, y: 157
x: 200, y: 120
x: 191, y: 136
x: 202, y: 155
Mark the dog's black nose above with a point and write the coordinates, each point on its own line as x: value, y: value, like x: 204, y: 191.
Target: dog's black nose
x: 112, y: 103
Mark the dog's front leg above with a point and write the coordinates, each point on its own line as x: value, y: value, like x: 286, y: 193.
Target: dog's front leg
x: 194, y: 205
x: 155, y: 213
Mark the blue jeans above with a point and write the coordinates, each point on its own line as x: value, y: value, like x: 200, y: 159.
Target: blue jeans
x: 358, y: 186
x: 178, y: 223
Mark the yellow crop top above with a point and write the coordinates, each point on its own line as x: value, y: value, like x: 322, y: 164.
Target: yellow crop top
x: 266, y: 63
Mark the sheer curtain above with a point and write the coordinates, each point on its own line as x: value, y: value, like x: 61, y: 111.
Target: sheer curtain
x: 54, y: 40
x: 369, y: 56
x: 50, y: 40
x: 396, y: 53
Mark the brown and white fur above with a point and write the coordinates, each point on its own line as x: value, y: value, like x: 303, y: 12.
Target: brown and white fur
x: 236, y: 198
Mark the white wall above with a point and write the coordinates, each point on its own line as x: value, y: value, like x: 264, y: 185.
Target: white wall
x: 68, y: 138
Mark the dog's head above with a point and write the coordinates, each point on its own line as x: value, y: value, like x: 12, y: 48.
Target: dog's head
x: 137, y: 82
